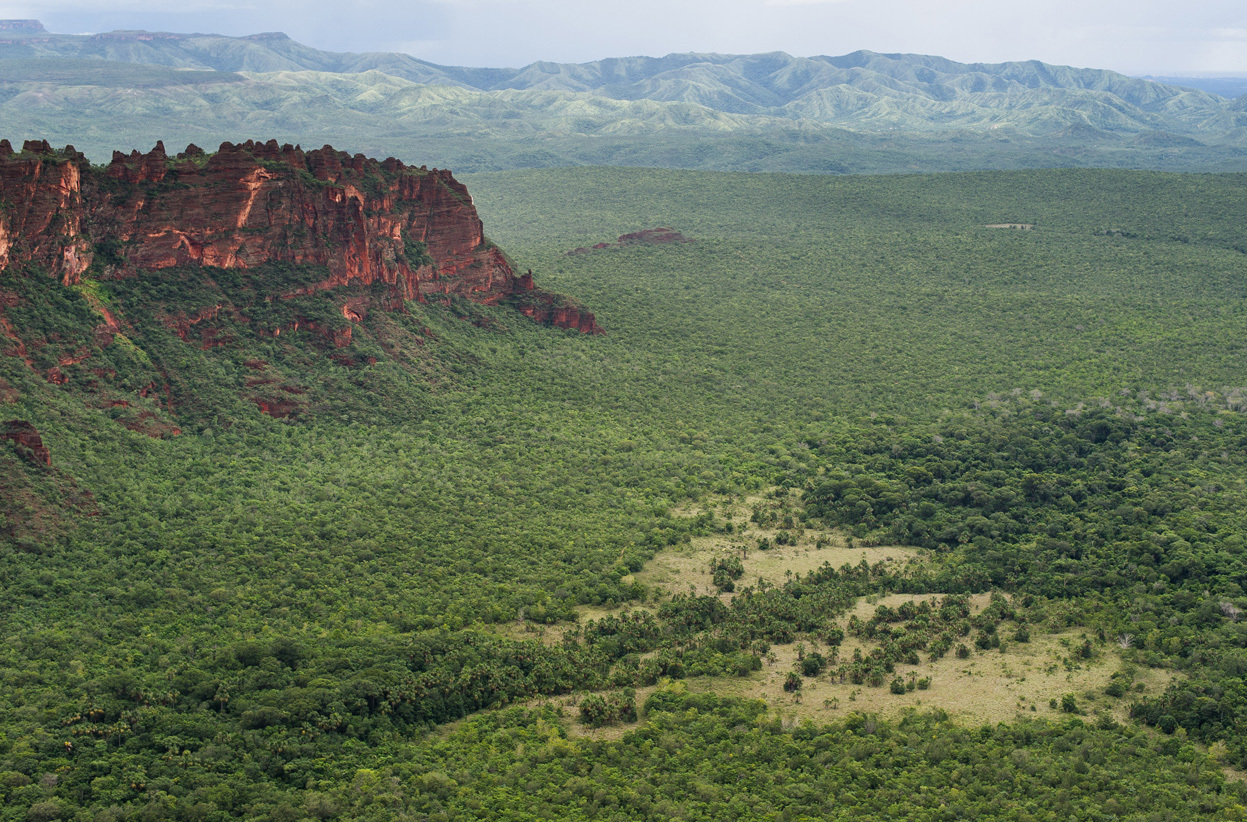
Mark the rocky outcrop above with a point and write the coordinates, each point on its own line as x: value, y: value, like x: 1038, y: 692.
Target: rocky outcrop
x: 38, y: 503
x: 22, y: 27
x: 41, y: 208
x: 363, y: 221
x: 648, y: 236
x: 560, y: 314
x: 29, y: 444
x: 552, y: 309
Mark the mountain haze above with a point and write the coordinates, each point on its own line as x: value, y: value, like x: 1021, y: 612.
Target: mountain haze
x: 857, y: 112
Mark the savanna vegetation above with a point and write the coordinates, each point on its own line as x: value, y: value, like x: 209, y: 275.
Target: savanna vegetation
x: 327, y: 615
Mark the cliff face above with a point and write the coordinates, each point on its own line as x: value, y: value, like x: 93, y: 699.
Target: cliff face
x: 42, y: 214
x: 196, y: 292
x: 365, y: 221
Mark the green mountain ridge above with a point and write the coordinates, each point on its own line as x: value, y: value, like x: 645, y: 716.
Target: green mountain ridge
x: 861, y: 112
x: 773, y: 83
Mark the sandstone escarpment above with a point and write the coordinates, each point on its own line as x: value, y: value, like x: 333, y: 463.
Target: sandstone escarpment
x: 42, y: 209
x: 167, y: 291
x: 550, y: 309
x: 363, y: 221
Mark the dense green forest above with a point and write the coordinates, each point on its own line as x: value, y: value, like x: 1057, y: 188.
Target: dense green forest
x: 327, y: 616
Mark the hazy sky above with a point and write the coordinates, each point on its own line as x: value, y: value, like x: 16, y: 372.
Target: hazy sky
x: 1132, y: 36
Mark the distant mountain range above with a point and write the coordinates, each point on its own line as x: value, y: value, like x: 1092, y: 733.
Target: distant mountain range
x: 1224, y: 86
x: 858, y: 112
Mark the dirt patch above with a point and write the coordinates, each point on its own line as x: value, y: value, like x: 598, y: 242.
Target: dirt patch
x: 550, y: 635
x: 1018, y: 226
x: 150, y: 423
x: 687, y: 568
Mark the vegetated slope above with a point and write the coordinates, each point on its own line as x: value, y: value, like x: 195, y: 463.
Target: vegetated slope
x: 753, y: 112
x: 866, y: 88
x: 888, y: 91
x: 96, y: 105
x: 264, y: 614
x: 104, y: 268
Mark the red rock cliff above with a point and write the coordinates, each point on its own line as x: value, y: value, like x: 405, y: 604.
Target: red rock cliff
x: 365, y: 221
x: 30, y: 444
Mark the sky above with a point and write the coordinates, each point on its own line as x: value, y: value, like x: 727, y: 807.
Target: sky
x: 1137, y: 37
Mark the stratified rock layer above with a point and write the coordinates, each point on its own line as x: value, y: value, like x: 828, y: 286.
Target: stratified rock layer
x: 366, y: 221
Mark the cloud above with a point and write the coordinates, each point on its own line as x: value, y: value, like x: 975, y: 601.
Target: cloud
x: 1147, y: 36
x: 366, y: 25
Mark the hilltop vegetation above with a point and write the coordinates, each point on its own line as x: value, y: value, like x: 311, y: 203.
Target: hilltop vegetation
x: 264, y: 618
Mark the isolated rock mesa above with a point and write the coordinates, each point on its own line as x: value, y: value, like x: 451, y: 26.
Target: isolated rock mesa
x: 649, y: 236
x: 365, y: 221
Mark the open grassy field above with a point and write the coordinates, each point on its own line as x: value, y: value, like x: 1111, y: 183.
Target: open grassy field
x: 1021, y: 679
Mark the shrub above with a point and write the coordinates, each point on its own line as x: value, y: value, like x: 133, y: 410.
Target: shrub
x: 725, y: 571
x: 609, y: 709
x: 813, y: 664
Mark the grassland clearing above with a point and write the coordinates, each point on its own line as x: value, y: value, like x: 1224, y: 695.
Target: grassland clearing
x: 1031, y: 678
x: 988, y: 687
x: 685, y: 568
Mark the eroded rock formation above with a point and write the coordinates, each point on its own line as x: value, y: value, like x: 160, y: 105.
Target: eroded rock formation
x: 365, y: 221
x: 29, y: 444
